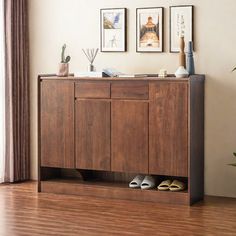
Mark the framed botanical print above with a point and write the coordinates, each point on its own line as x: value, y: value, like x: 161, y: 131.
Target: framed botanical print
x: 149, y: 29
x: 181, y: 24
x: 113, y: 30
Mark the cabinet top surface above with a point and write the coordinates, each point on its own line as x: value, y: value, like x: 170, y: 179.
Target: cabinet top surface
x: 72, y: 78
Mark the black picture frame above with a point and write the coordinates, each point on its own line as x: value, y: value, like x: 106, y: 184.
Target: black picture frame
x: 102, y: 31
x: 138, y: 48
x: 172, y: 48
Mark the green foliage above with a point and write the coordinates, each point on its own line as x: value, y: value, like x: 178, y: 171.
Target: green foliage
x: 63, y: 59
x: 233, y: 164
x: 234, y: 69
x: 67, y: 59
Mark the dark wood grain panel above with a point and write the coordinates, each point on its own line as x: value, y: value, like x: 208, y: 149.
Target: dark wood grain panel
x: 57, y: 124
x: 113, y: 190
x: 168, y: 129
x: 93, y: 134
x: 92, y: 90
x: 129, y: 90
x: 196, y: 158
x: 129, y: 136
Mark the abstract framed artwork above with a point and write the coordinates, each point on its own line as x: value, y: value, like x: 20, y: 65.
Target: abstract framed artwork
x: 149, y: 29
x: 181, y: 24
x: 113, y: 29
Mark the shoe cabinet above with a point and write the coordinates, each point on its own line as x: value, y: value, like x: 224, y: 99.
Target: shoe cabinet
x: 96, y: 134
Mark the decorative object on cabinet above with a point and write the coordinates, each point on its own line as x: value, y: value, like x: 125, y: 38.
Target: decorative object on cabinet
x: 91, y: 74
x: 181, y: 71
x: 102, y: 146
x: 181, y: 24
x: 162, y: 73
x: 112, y: 72
x: 113, y: 29
x: 64, y: 65
x: 91, y: 54
x: 149, y: 29
x: 190, y: 61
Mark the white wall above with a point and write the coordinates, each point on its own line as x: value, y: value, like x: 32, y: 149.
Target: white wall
x: 76, y: 23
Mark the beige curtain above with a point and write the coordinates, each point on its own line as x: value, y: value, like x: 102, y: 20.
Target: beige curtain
x: 17, y: 90
x: 2, y: 94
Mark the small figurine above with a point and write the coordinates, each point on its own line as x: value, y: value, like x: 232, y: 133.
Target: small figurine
x: 162, y: 73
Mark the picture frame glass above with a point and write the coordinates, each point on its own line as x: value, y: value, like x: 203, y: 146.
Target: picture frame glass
x: 181, y: 24
x: 113, y: 30
x: 149, y: 36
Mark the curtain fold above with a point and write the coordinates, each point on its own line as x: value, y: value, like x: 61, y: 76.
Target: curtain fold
x: 17, y: 164
x: 2, y: 94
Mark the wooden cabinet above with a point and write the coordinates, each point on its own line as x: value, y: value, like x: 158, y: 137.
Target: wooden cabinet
x: 130, y: 90
x: 57, y: 124
x: 92, y: 134
x: 92, y: 90
x: 129, y: 136
x: 111, y: 129
x: 168, y: 129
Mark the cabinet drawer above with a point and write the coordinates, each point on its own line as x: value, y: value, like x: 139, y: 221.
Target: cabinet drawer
x: 129, y: 90
x: 92, y: 90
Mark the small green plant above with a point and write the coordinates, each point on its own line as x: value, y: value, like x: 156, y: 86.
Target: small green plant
x: 63, y: 58
x: 233, y: 164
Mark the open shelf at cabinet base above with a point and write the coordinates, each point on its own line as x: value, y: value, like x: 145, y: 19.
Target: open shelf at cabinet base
x: 112, y: 190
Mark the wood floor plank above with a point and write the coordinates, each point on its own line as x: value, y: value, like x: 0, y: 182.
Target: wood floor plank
x: 25, y: 212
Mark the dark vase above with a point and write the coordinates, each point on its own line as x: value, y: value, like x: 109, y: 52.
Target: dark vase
x: 190, y: 61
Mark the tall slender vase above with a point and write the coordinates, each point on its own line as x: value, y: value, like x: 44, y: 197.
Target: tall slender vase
x: 181, y: 71
x: 182, y: 57
x: 190, y: 61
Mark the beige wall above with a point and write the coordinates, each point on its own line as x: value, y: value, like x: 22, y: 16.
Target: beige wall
x: 76, y: 22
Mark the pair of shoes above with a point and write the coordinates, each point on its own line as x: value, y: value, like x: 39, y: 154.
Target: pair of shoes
x: 142, y: 182
x: 171, y: 185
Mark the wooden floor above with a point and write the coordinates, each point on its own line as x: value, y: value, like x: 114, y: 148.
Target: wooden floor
x: 25, y: 212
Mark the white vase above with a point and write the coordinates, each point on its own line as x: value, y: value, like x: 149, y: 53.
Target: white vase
x: 181, y: 73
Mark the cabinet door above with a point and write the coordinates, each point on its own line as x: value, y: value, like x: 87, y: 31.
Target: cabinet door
x: 57, y: 124
x: 168, y: 129
x: 93, y: 134
x: 129, y: 136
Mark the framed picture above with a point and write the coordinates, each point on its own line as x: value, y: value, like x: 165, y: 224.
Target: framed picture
x: 181, y: 24
x: 113, y: 30
x: 149, y: 31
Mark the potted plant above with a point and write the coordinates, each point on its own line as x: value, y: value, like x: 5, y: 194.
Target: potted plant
x: 233, y: 164
x: 64, y: 65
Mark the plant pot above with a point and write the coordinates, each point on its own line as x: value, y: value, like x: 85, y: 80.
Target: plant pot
x: 63, y: 69
x: 181, y: 73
